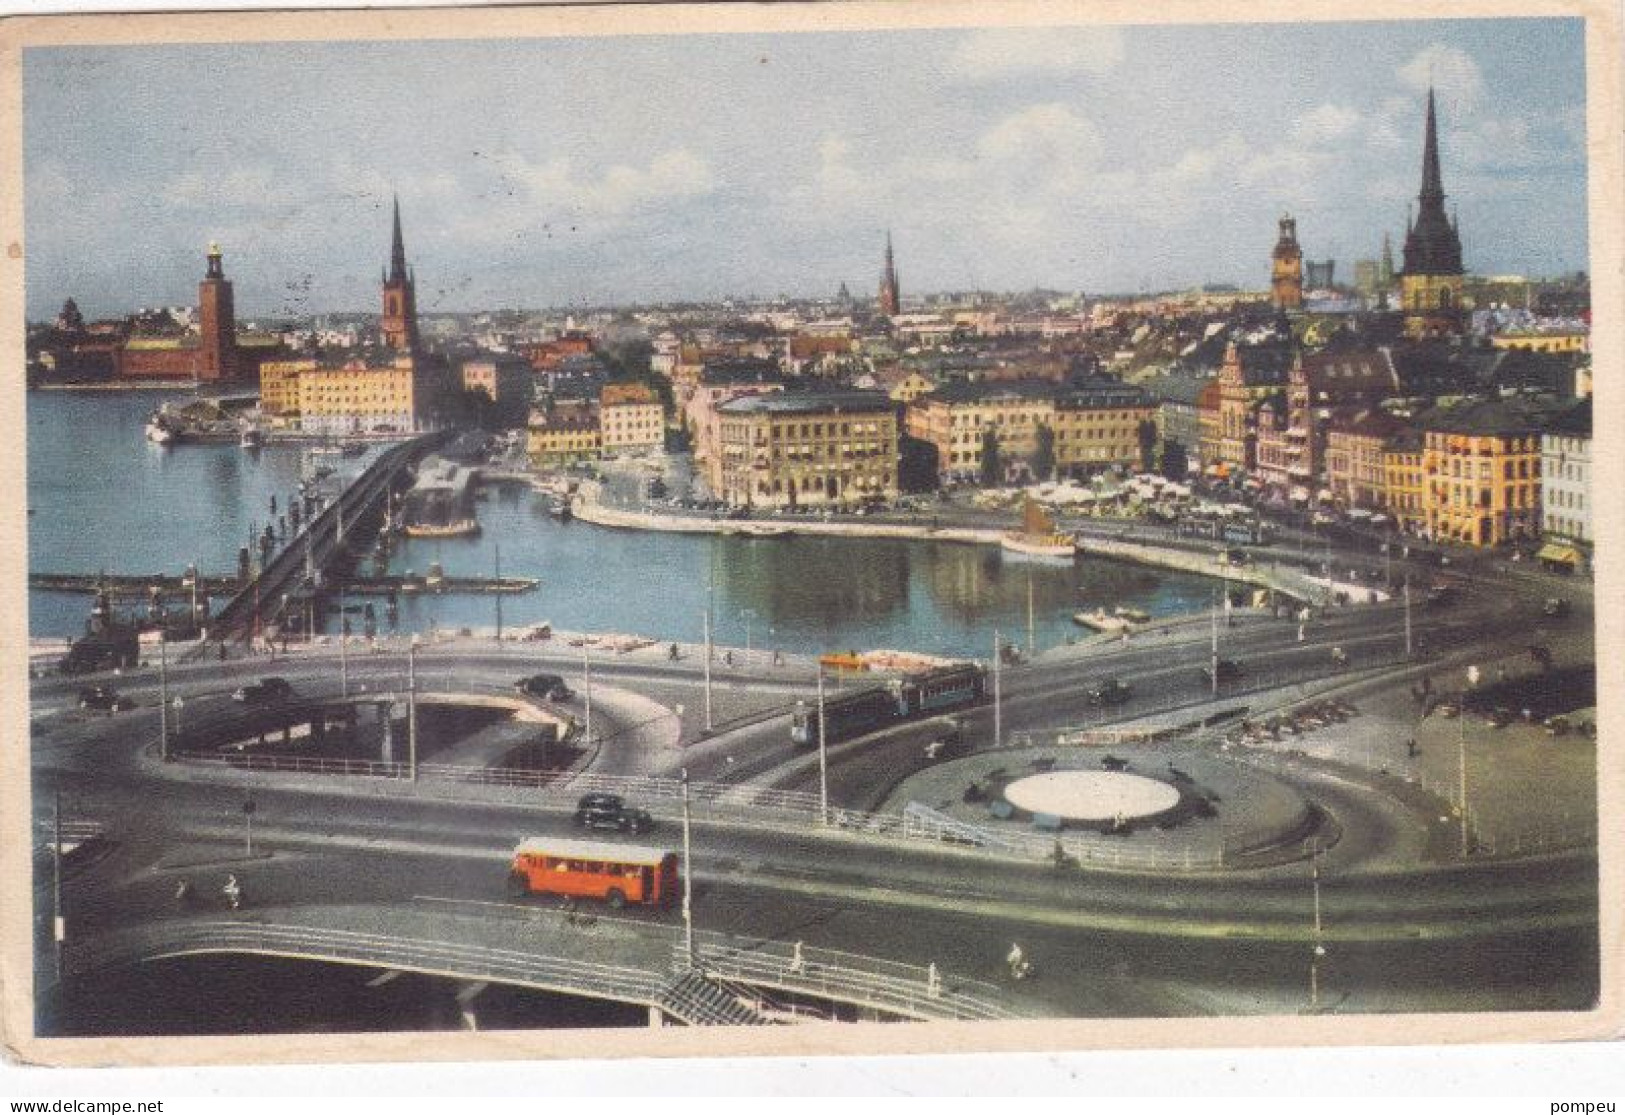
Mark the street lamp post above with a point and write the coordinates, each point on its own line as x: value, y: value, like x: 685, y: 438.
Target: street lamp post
x: 1407, y: 594
x: 1461, y: 756
x: 412, y: 708
x: 1213, y: 661
x: 586, y: 676
x: 707, y: 620
x: 823, y: 755
x: 1319, y: 949
x: 749, y: 614
x: 688, y: 877
x: 497, y: 589
x: 344, y: 652
x: 998, y: 714
x: 163, y: 699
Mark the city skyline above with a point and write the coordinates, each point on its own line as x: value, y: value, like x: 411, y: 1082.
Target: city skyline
x: 999, y: 160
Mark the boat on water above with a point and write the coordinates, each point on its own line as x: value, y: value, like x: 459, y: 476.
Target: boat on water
x: 250, y: 438
x: 160, y: 428
x: 1133, y: 615
x: 352, y: 449
x: 559, y: 508
x: 1100, y: 620
x: 459, y: 528
x: 1038, y: 540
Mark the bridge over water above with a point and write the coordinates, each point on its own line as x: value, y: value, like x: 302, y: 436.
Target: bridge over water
x: 321, y: 544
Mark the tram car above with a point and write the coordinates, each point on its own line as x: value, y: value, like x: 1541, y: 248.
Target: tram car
x: 868, y: 710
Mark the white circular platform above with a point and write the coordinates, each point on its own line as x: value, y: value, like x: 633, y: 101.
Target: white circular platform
x: 1092, y: 795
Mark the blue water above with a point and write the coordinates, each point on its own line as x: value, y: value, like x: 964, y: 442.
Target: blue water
x: 105, y: 498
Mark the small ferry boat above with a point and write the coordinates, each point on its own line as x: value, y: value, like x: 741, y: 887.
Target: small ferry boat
x: 1099, y: 620
x: 559, y: 508
x: 1133, y: 615
x: 1038, y: 539
x: 352, y: 449
x: 250, y: 438
x: 160, y: 428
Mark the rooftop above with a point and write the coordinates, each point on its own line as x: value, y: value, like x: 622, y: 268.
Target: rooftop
x: 809, y: 402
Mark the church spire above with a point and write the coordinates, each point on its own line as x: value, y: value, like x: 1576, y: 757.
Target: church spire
x: 1432, y: 183
x: 397, y: 250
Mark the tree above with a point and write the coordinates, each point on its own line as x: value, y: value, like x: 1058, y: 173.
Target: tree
x: 916, y: 464
x: 1148, y: 445
x: 470, y: 408
x: 992, y: 467
x: 1044, y: 455
x: 1175, y: 461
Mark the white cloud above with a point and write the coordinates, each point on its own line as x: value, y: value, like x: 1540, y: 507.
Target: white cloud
x: 1449, y: 70
x: 617, y: 190
x: 1324, y: 124
x: 239, y: 185
x: 1049, y: 138
x: 982, y: 55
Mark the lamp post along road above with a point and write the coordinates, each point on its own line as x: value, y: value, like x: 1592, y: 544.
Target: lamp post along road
x: 823, y: 754
x: 1407, y: 594
x: 412, y: 708
x: 707, y: 669
x: 688, y: 877
x: 163, y: 698
x: 998, y: 722
x: 344, y: 654
x: 586, y: 676
x: 1461, y: 755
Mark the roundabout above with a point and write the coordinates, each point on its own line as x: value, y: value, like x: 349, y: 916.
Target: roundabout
x: 1092, y: 796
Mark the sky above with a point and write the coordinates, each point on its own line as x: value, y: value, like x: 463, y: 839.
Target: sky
x: 583, y: 171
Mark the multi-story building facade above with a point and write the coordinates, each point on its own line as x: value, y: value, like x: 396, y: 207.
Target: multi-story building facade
x: 1482, y: 466
x: 564, y: 433
x: 1249, y: 375
x: 1565, y: 488
x: 1405, y: 490
x: 631, y: 418
x: 507, y: 380
x: 806, y: 449
x: 1097, y: 425
x: 279, y: 389
x: 955, y: 416
x: 1357, y: 458
x: 357, y: 397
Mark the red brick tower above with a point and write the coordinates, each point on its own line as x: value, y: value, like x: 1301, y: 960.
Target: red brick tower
x: 399, y: 324
x: 217, y: 324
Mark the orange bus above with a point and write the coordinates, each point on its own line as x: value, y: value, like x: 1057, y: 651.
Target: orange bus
x: 617, y: 873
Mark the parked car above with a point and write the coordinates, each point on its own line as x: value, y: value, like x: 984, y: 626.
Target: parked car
x: 610, y: 812
x: 266, y: 689
x: 549, y: 687
x: 103, y: 698
x: 1111, y: 692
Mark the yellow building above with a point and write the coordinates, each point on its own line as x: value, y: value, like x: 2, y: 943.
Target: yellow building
x: 631, y: 417
x: 1404, y: 492
x: 279, y: 389
x: 812, y: 449
x: 1096, y: 423
x: 357, y: 397
x: 1481, y: 465
x: 564, y: 434
x: 954, y: 417
x: 353, y: 396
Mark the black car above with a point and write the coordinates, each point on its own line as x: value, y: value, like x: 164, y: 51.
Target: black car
x: 1111, y: 692
x: 1229, y: 670
x: 103, y: 698
x: 609, y: 812
x: 266, y: 689
x: 549, y: 687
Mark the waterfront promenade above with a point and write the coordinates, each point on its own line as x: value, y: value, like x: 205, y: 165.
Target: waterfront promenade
x: 1284, y: 580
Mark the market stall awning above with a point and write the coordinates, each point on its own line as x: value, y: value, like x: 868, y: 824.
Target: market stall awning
x: 1558, y: 552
